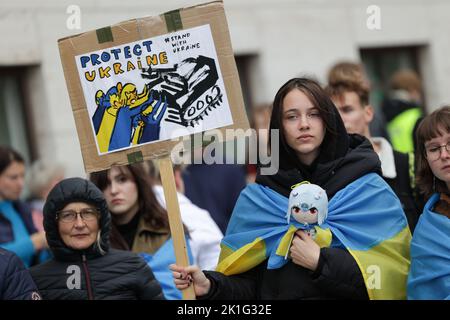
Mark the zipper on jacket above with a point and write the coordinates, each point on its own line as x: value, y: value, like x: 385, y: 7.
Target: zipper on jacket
x: 88, y: 278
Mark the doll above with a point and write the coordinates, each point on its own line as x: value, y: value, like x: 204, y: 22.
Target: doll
x: 308, y: 205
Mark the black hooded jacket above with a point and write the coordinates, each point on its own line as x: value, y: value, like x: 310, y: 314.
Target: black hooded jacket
x: 97, y: 272
x: 342, y: 159
x: 393, y: 107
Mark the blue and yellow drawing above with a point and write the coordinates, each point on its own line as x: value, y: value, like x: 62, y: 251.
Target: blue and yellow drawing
x: 123, y: 116
x: 146, y: 125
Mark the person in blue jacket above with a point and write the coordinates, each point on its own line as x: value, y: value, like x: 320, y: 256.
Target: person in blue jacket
x: 15, y: 280
x: 429, y: 277
x: 17, y: 231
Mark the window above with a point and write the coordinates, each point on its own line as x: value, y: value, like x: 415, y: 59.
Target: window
x: 14, y: 119
x: 244, y: 64
x: 380, y: 64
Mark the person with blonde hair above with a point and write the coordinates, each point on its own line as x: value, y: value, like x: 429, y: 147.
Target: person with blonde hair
x: 403, y: 108
x: 348, y: 72
x: 354, y: 72
x: 350, y: 94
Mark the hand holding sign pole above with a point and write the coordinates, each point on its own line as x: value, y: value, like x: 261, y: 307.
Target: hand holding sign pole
x: 176, y: 225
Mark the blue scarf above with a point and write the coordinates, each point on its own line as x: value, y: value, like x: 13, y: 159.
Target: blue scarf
x: 429, y: 277
x: 159, y: 263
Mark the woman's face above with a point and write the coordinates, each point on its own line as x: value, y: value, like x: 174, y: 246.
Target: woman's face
x: 438, y: 156
x: 121, y: 194
x: 78, y: 225
x: 11, y: 181
x: 302, y: 126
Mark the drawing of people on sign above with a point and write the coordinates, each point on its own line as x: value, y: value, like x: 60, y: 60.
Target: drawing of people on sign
x: 120, y: 113
x: 145, y: 91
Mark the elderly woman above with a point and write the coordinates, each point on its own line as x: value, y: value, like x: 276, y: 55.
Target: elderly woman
x: 77, y: 225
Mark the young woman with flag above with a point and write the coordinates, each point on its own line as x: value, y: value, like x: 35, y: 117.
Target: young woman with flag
x: 429, y: 277
x: 360, y: 251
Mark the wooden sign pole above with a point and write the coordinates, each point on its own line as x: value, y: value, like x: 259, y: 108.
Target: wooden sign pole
x: 176, y: 225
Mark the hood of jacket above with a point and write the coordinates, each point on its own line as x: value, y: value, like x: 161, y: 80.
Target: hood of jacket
x: 343, y: 158
x: 393, y: 107
x: 65, y: 192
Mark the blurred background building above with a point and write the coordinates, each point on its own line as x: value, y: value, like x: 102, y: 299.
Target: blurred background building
x: 273, y: 40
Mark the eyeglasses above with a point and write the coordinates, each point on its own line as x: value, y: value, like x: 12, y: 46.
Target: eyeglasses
x: 87, y: 214
x: 434, y: 152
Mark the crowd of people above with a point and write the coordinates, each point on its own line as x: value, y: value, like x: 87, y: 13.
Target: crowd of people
x: 108, y: 236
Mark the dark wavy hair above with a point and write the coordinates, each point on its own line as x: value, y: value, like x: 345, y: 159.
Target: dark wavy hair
x: 149, y: 207
x: 327, y: 110
x: 8, y: 156
x: 431, y: 126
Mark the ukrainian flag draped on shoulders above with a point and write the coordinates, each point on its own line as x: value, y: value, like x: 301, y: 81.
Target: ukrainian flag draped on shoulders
x: 159, y: 263
x: 365, y: 217
x: 429, y: 277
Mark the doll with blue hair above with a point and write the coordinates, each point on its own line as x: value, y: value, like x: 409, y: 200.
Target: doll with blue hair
x: 308, y: 205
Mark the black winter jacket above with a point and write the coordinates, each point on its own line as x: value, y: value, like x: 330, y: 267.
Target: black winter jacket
x: 118, y: 275
x: 90, y: 274
x: 15, y: 280
x: 336, y: 277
